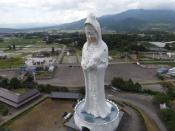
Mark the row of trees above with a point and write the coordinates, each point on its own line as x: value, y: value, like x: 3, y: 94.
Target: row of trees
x: 49, y: 88
x: 15, y: 83
x: 126, y: 85
x: 123, y: 42
x: 130, y: 86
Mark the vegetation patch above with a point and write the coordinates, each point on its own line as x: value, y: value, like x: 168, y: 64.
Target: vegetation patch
x: 130, y: 86
x: 3, y: 110
x: 11, y: 62
x: 168, y: 116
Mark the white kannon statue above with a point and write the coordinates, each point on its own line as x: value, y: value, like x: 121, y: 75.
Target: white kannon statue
x: 94, y: 63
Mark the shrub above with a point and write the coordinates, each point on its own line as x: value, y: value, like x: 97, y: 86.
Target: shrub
x: 150, y: 92
x: 3, y: 110
x: 49, y: 88
x: 4, y: 129
x: 159, y: 76
x: 168, y: 116
x: 126, y: 85
x: 15, y: 83
x: 161, y: 98
x: 82, y: 90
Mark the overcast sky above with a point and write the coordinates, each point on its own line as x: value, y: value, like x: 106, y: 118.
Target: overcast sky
x: 14, y: 12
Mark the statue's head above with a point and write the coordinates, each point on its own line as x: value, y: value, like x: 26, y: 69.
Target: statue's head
x: 91, y: 33
x: 92, y: 29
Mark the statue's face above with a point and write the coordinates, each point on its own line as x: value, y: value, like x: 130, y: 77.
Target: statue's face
x: 91, y: 34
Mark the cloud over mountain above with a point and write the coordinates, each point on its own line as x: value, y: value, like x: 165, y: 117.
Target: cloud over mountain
x: 16, y: 12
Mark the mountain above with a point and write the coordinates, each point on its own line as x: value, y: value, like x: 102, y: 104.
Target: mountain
x: 137, y: 19
x: 8, y: 30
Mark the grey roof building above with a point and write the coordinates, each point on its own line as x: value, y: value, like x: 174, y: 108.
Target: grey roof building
x: 15, y: 99
x: 65, y: 95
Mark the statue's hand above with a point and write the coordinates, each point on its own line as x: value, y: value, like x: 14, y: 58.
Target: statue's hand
x: 84, y: 65
x: 91, y: 65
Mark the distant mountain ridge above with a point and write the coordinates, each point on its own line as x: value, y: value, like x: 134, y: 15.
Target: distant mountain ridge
x: 8, y: 30
x: 132, y: 20
x: 136, y: 19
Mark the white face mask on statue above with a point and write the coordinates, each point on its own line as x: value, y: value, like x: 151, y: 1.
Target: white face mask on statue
x: 91, y: 34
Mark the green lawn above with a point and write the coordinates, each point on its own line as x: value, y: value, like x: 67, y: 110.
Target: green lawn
x: 11, y: 62
x: 23, y: 42
x: 20, y: 42
x: 21, y: 90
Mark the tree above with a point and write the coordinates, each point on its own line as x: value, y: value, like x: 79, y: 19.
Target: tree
x: 171, y: 93
x: 161, y: 98
x: 3, y: 110
x: 53, y: 51
x: 29, y: 79
x: 1, y: 40
x: 118, y: 82
x: 9, y: 47
x: 126, y: 85
x: 15, y: 83
x: 4, y: 83
x: 138, y: 87
x: 14, y: 47
x: 168, y: 116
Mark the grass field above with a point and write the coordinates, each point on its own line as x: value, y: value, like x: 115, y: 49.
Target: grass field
x: 27, y: 43
x: 47, y: 116
x: 11, y: 62
x: 21, y: 90
x: 20, y: 41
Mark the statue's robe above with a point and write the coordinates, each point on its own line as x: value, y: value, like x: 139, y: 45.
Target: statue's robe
x: 95, y: 56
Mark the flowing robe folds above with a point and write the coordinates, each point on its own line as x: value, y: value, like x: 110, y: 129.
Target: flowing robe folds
x: 94, y: 63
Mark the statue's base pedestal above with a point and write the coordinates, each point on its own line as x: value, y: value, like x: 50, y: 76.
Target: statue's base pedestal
x: 84, y: 120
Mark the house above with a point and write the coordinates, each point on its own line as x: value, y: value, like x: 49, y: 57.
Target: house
x: 158, y: 44
x: 15, y: 99
x: 162, y: 70
x: 39, y: 62
x: 3, y: 55
x: 171, y: 71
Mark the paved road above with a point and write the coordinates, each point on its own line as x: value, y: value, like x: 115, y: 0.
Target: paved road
x: 61, y: 55
x: 131, y: 121
x: 143, y: 102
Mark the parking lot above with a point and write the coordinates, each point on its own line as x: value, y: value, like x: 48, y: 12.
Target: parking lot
x: 72, y: 75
